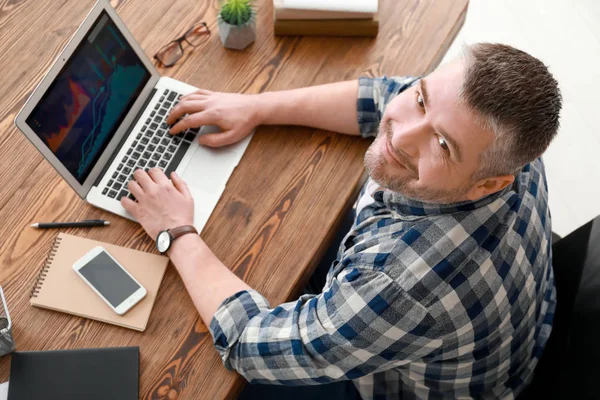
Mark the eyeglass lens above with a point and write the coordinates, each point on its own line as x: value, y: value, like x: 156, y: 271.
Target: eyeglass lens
x: 172, y: 52
x: 169, y: 54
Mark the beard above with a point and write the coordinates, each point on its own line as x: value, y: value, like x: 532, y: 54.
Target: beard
x: 380, y: 170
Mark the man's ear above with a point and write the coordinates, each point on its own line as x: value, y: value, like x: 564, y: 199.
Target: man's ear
x: 488, y: 186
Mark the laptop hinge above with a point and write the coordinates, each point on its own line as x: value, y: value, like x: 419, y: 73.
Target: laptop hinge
x: 124, y: 138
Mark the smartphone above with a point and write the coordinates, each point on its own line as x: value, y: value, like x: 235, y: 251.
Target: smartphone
x: 109, y: 280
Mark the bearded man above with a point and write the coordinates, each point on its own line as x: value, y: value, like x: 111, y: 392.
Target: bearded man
x: 443, y: 286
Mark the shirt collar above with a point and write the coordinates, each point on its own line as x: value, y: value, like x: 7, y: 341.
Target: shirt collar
x: 403, y: 205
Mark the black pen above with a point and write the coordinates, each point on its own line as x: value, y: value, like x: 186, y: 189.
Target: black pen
x: 81, y: 224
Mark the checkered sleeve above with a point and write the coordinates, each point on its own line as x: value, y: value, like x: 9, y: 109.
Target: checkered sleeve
x: 362, y: 323
x: 373, y: 96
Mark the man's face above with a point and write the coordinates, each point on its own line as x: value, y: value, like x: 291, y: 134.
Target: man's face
x: 428, y: 145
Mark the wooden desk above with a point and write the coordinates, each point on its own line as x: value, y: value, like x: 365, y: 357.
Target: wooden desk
x: 281, y: 205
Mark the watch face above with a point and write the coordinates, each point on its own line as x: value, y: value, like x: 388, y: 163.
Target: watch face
x: 163, y: 241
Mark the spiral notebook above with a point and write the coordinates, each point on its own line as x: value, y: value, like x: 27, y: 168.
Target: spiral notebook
x: 59, y: 288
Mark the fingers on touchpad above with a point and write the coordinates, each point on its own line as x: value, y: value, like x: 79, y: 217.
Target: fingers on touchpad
x: 208, y: 129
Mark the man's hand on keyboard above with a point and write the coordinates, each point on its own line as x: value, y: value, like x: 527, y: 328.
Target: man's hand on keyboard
x: 161, y: 204
x: 236, y: 114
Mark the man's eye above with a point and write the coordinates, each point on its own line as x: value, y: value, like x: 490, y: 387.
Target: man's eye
x: 443, y: 143
x: 420, y: 101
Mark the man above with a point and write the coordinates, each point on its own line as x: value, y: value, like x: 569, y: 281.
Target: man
x: 443, y: 287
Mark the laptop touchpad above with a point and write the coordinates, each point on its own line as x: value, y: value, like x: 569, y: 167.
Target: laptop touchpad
x: 209, y: 169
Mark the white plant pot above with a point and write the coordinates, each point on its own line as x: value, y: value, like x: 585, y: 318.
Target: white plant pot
x: 237, y: 37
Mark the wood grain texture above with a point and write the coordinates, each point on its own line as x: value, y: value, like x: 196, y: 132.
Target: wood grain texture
x: 281, y: 205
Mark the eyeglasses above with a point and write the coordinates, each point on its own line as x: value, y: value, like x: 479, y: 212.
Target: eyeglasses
x: 172, y: 52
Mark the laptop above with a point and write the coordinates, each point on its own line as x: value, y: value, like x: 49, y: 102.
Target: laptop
x: 99, y: 114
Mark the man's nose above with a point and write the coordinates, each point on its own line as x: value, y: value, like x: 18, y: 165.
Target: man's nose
x: 409, y: 136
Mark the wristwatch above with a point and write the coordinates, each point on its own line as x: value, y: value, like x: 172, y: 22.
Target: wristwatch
x: 166, y: 238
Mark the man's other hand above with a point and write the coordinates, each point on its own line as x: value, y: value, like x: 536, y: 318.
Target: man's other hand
x: 236, y: 114
x: 161, y: 204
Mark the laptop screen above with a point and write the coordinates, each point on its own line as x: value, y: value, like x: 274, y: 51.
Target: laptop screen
x: 88, y: 100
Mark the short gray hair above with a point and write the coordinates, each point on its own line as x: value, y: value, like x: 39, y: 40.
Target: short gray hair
x: 514, y: 95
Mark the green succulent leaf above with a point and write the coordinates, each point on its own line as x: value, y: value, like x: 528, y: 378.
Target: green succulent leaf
x: 236, y: 12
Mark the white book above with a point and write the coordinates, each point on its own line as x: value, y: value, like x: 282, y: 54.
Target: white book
x: 282, y: 13
x: 364, y: 6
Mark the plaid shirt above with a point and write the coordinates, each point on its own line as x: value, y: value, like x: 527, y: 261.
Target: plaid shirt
x: 424, y: 301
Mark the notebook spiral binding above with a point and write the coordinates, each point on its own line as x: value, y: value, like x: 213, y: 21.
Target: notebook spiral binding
x: 44, y: 271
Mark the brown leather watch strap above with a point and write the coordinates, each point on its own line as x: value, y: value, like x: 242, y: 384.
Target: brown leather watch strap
x: 182, y: 230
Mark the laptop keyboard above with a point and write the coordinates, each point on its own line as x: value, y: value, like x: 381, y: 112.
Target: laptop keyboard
x: 153, y: 147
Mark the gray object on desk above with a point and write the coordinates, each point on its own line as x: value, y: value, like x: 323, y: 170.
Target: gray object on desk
x: 7, y: 342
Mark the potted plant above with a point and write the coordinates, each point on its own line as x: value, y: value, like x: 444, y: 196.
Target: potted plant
x: 237, y: 24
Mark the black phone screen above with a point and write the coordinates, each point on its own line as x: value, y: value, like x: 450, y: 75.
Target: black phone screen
x: 109, y: 279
